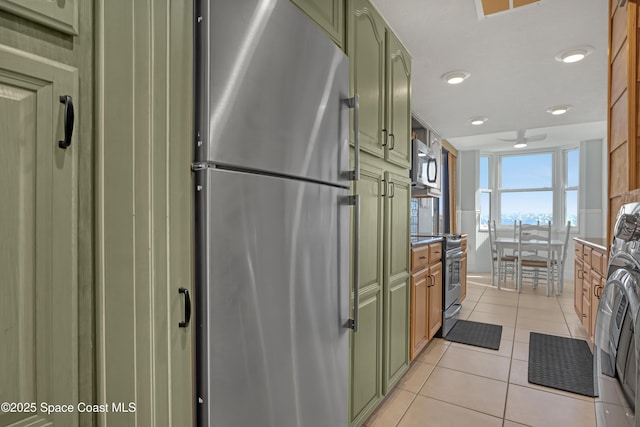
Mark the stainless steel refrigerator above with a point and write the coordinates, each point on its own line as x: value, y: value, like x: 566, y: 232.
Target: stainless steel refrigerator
x: 272, y: 212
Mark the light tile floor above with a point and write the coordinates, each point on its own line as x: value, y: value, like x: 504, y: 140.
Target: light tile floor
x: 451, y: 384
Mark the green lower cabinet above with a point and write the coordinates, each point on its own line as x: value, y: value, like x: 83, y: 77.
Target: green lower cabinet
x: 39, y: 252
x: 380, y: 347
x: 366, y: 343
x: 328, y: 14
x: 396, y: 279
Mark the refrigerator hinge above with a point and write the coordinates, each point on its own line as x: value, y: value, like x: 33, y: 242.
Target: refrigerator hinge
x: 195, y: 167
x: 351, y: 200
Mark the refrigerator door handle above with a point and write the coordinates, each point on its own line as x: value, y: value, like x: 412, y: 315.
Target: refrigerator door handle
x: 355, y: 201
x: 355, y: 104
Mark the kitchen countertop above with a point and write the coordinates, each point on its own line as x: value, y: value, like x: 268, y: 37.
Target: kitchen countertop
x: 596, y: 242
x: 424, y: 240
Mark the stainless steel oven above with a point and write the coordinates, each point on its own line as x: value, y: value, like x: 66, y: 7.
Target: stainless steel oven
x: 452, y: 263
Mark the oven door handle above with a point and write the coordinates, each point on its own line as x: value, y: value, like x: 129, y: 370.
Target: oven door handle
x: 456, y: 311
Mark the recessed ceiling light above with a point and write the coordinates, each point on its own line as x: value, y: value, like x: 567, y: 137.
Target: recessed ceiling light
x: 574, y: 54
x: 559, y: 109
x: 455, y: 77
x: 520, y: 145
x: 477, y: 121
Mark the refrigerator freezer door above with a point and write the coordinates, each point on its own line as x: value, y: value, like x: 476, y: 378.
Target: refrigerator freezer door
x: 275, y: 347
x: 271, y: 91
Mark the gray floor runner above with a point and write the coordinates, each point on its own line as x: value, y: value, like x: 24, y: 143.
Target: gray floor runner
x: 476, y: 333
x: 561, y: 363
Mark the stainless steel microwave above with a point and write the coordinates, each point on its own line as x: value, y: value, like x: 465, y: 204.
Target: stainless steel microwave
x: 426, y: 167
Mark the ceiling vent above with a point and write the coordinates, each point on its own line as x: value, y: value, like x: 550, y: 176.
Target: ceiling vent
x: 486, y: 8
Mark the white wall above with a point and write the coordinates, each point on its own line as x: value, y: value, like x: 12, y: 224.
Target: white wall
x: 591, y: 204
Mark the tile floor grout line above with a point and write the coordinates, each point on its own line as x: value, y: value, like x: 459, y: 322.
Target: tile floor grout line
x: 513, y: 343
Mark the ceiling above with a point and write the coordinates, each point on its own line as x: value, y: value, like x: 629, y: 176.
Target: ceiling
x: 514, y: 76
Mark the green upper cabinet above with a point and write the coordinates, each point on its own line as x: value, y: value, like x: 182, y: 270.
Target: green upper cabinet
x: 381, y: 76
x: 398, y: 117
x: 396, y: 278
x: 328, y: 14
x: 366, y: 49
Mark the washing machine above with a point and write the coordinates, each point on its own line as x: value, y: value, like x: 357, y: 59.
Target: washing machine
x: 616, y: 348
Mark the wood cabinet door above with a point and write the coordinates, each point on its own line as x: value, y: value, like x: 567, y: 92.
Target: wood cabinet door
x: 419, y: 307
x: 366, y: 344
x: 578, y: 274
x: 328, y: 14
x: 366, y: 50
x: 596, y: 281
x: 398, y: 97
x: 396, y: 276
x: 435, y: 299
x: 586, y: 297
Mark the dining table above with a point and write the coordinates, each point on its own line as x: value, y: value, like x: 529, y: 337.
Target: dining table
x: 557, y: 246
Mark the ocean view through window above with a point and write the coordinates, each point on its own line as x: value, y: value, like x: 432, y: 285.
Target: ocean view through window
x: 531, y: 186
x: 526, y: 188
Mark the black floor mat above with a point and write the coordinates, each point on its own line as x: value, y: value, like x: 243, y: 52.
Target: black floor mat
x: 476, y: 333
x: 561, y: 363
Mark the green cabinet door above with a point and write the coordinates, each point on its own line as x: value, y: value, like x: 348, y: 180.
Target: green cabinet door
x: 38, y: 240
x: 328, y: 14
x: 396, y: 279
x: 366, y: 50
x: 398, y: 111
x: 366, y: 343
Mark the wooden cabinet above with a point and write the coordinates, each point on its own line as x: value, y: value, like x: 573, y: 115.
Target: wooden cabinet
x: 435, y: 298
x: 328, y: 14
x: 420, y: 280
x: 623, y: 137
x: 381, y: 75
x: 426, y: 294
x: 589, y: 280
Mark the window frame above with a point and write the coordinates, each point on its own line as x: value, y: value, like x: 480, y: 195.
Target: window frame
x: 566, y: 187
x: 558, y: 181
x: 489, y: 189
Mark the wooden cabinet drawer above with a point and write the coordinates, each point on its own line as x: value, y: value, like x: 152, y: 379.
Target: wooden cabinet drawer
x: 578, y: 250
x: 586, y: 254
x: 597, y: 259
x: 419, y: 257
x: 463, y: 244
x: 435, y: 252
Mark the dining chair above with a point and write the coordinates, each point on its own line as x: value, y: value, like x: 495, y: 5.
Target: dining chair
x: 534, y: 254
x: 506, y: 262
x: 559, y: 263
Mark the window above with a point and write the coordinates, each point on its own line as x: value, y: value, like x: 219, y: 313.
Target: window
x: 526, y: 188
x: 485, y: 193
x: 529, y: 187
x: 571, y: 179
